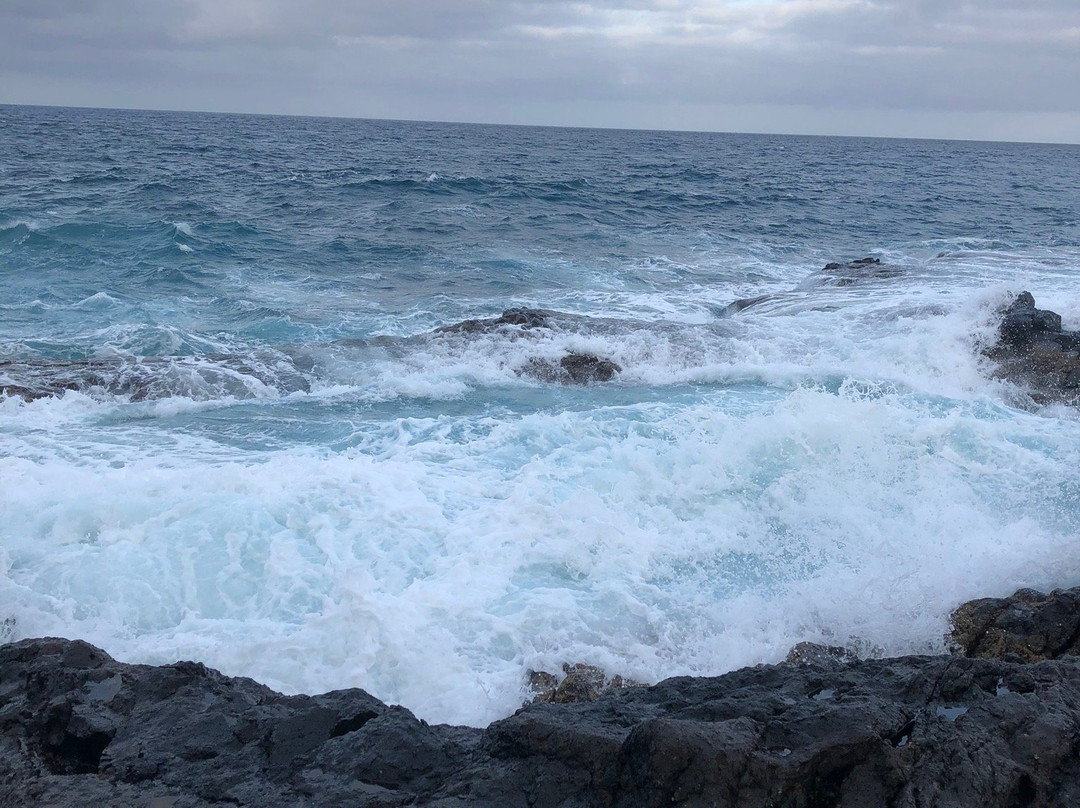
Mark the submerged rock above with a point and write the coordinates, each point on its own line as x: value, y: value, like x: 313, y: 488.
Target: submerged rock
x: 1034, y: 352
x: 522, y: 317
x: 154, y: 378
x: 574, y: 368
x: 742, y: 305
x: 833, y: 274
x: 853, y: 272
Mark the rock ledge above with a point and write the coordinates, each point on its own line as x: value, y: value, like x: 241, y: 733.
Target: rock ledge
x: 78, y: 728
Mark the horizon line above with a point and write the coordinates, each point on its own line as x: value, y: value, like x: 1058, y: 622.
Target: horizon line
x: 539, y: 125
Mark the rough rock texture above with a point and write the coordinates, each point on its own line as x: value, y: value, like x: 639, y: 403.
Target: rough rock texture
x: 833, y: 274
x: 853, y: 272
x: 1033, y: 351
x: 574, y: 368
x: 1028, y: 626
x: 812, y: 653
x: 78, y: 729
x: 580, y: 683
x: 153, y: 378
x: 522, y: 317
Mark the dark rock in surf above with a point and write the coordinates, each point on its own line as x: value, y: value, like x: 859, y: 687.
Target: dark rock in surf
x: 1028, y: 626
x: 152, y: 378
x: 78, y: 728
x: 833, y: 274
x: 741, y: 305
x: 853, y: 272
x: 574, y: 368
x: 580, y: 683
x: 521, y: 317
x: 1034, y: 352
x: 586, y: 368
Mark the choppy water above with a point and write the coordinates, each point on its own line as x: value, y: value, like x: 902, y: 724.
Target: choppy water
x: 268, y: 462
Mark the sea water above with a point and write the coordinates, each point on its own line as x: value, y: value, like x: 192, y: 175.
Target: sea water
x: 258, y: 452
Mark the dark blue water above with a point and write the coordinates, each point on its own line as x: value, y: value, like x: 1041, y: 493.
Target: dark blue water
x: 232, y: 434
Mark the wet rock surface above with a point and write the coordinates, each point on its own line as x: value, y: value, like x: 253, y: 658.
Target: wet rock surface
x: 1028, y: 626
x: 574, y: 368
x: 290, y: 369
x: 78, y: 728
x: 571, y: 368
x: 833, y: 275
x: 1033, y: 351
x: 155, y: 378
x: 857, y: 271
x: 521, y: 317
x: 580, y: 683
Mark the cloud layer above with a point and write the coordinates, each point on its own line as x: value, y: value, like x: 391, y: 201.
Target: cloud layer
x: 997, y: 68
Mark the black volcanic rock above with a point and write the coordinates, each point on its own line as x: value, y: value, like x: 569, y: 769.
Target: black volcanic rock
x: 832, y: 275
x: 1034, y: 352
x: 1028, y: 626
x: 152, y: 378
x: 573, y: 368
x: 580, y: 683
x: 78, y: 728
x: 857, y: 271
x: 522, y: 317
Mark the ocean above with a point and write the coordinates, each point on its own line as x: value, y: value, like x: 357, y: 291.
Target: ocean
x: 234, y: 433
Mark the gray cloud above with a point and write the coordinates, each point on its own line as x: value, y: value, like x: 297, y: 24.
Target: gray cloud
x: 1009, y: 67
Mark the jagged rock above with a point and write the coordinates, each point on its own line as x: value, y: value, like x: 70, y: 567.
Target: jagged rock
x: 1028, y: 626
x: 852, y: 272
x: 523, y: 317
x: 574, y: 368
x: 833, y: 274
x: 78, y: 728
x: 1033, y: 351
x: 581, y: 683
x: 542, y: 685
x: 148, y: 378
x: 585, y: 368
x: 811, y: 653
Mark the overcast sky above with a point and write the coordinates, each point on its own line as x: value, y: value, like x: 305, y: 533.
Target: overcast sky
x: 986, y: 69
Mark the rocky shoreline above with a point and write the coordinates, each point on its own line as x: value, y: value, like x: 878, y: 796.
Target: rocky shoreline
x: 997, y: 723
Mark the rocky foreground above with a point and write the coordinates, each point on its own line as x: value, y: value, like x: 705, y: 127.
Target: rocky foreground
x: 997, y: 724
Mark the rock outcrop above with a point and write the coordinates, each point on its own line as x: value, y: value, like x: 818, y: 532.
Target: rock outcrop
x: 78, y: 728
x: 580, y: 683
x: 154, y: 378
x: 571, y: 368
x: 857, y: 271
x: 1035, y: 353
x: 521, y: 317
x: 1028, y: 626
x: 832, y: 275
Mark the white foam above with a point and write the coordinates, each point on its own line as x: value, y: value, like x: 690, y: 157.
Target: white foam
x: 833, y: 466
x: 448, y: 555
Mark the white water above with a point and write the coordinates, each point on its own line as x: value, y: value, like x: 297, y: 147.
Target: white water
x: 834, y: 465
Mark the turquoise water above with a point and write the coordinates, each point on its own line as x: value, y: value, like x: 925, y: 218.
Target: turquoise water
x: 258, y: 453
